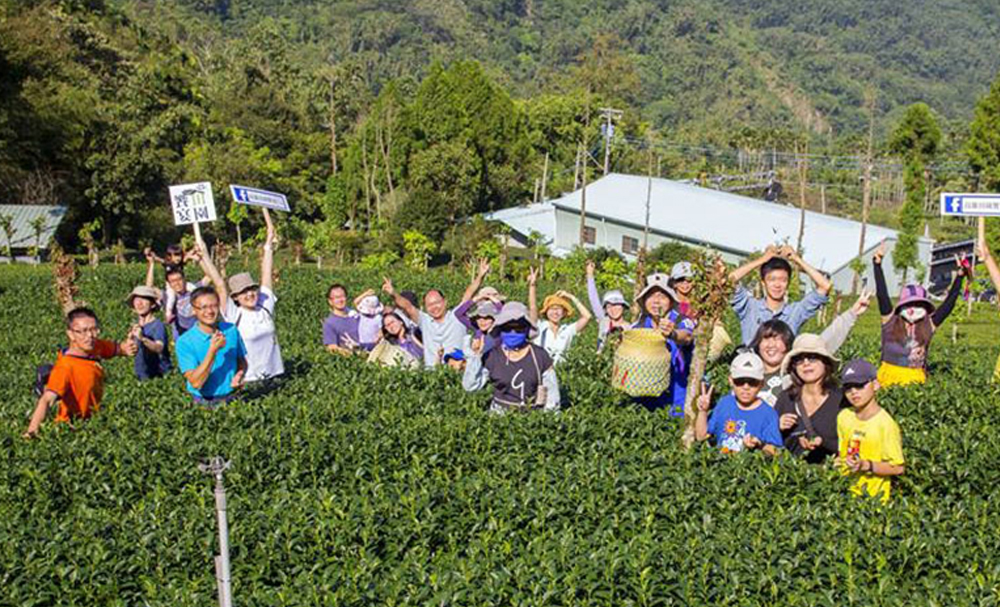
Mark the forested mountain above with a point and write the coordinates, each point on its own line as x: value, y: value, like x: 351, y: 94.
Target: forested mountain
x: 380, y: 116
x: 694, y: 64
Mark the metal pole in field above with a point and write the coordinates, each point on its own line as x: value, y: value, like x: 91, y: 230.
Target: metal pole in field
x: 215, y: 467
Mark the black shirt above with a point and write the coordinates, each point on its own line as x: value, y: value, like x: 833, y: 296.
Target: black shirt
x: 824, y: 423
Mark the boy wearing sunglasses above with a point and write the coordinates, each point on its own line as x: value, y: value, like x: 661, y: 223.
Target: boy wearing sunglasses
x: 740, y: 420
x: 871, y: 446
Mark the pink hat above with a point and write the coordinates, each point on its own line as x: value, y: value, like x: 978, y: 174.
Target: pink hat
x: 913, y: 294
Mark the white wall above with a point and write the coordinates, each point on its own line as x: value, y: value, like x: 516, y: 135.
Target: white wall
x: 609, y: 235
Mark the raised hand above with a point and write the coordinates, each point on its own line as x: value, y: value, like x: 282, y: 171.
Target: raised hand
x: 484, y: 267
x: 532, y: 276
x: 861, y: 305
x: 879, y: 253
x: 387, y: 286
x: 705, y: 399
x: 591, y: 268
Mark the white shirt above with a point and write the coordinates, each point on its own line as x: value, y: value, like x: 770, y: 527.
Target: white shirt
x: 555, y: 342
x: 449, y: 334
x: 257, y: 329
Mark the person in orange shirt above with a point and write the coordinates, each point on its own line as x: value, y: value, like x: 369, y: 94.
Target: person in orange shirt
x: 77, y: 378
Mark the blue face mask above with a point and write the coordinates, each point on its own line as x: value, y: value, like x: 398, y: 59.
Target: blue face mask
x: 513, y: 340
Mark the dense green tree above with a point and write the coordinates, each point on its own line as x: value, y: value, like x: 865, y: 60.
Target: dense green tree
x: 916, y: 138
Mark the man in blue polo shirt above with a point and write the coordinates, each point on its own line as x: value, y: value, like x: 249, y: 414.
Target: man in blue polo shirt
x: 211, y: 355
x: 775, y: 274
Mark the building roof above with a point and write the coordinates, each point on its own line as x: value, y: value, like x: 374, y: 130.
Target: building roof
x: 725, y: 221
x: 23, y: 215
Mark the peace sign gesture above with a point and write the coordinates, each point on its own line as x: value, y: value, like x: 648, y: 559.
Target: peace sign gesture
x: 532, y: 276
x: 705, y: 399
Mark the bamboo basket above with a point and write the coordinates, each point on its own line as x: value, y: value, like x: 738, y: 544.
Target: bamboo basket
x: 642, y: 363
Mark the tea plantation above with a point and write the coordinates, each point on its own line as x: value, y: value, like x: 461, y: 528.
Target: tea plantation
x: 352, y: 485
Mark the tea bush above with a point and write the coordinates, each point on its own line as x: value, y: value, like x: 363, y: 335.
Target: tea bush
x: 352, y: 485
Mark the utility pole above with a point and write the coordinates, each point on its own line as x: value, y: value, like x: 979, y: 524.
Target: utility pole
x: 866, y: 185
x: 545, y: 176
x: 583, y: 197
x: 649, y: 196
x: 576, y: 167
x: 610, y: 115
x: 216, y: 467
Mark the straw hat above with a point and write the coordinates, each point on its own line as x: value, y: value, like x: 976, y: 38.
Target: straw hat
x: 807, y: 343
x: 556, y: 300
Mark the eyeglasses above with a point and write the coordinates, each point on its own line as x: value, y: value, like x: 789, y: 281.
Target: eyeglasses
x: 87, y: 331
x: 743, y: 382
x: 209, y: 307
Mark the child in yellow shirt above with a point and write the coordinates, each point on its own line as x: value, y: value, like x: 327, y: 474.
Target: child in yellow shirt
x: 870, y: 444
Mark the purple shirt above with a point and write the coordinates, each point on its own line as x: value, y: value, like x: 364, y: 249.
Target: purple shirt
x: 335, y: 328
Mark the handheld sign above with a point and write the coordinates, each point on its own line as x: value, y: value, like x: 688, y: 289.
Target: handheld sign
x: 259, y: 198
x: 970, y: 205
x: 192, y: 203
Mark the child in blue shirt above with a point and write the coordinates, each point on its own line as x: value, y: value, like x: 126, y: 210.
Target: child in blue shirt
x: 740, y: 421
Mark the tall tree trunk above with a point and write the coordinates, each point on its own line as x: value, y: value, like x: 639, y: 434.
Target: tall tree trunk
x: 333, y: 126
x: 866, y: 189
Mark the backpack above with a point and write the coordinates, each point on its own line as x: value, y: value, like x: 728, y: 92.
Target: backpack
x: 42, y: 373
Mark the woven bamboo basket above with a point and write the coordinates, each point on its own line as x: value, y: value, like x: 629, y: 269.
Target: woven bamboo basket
x: 642, y: 363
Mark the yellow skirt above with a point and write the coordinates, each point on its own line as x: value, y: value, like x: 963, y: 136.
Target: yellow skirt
x: 892, y: 375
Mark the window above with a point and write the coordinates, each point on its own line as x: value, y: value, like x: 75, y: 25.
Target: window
x: 630, y: 245
x: 589, y: 235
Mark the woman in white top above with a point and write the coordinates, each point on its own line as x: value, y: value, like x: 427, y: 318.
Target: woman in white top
x: 553, y: 336
x: 250, y: 306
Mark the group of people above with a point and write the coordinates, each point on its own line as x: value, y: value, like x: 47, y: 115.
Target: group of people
x: 786, y: 391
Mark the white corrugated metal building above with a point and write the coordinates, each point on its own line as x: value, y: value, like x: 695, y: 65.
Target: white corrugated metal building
x: 24, y: 237
x: 736, y: 226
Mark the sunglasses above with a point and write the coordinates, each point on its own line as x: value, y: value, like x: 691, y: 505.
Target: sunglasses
x: 743, y: 382
x: 849, y: 387
x: 807, y: 358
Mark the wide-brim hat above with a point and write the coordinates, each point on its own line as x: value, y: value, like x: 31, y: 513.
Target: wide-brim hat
x: 659, y: 281
x: 151, y: 293
x: 485, y: 309
x: 613, y: 297
x: 557, y: 300
x: 490, y: 293
x: 510, y: 312
x: 241, y: 282
x: 370, y: 305
x: 914, y: 294
x: 807, y: 343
